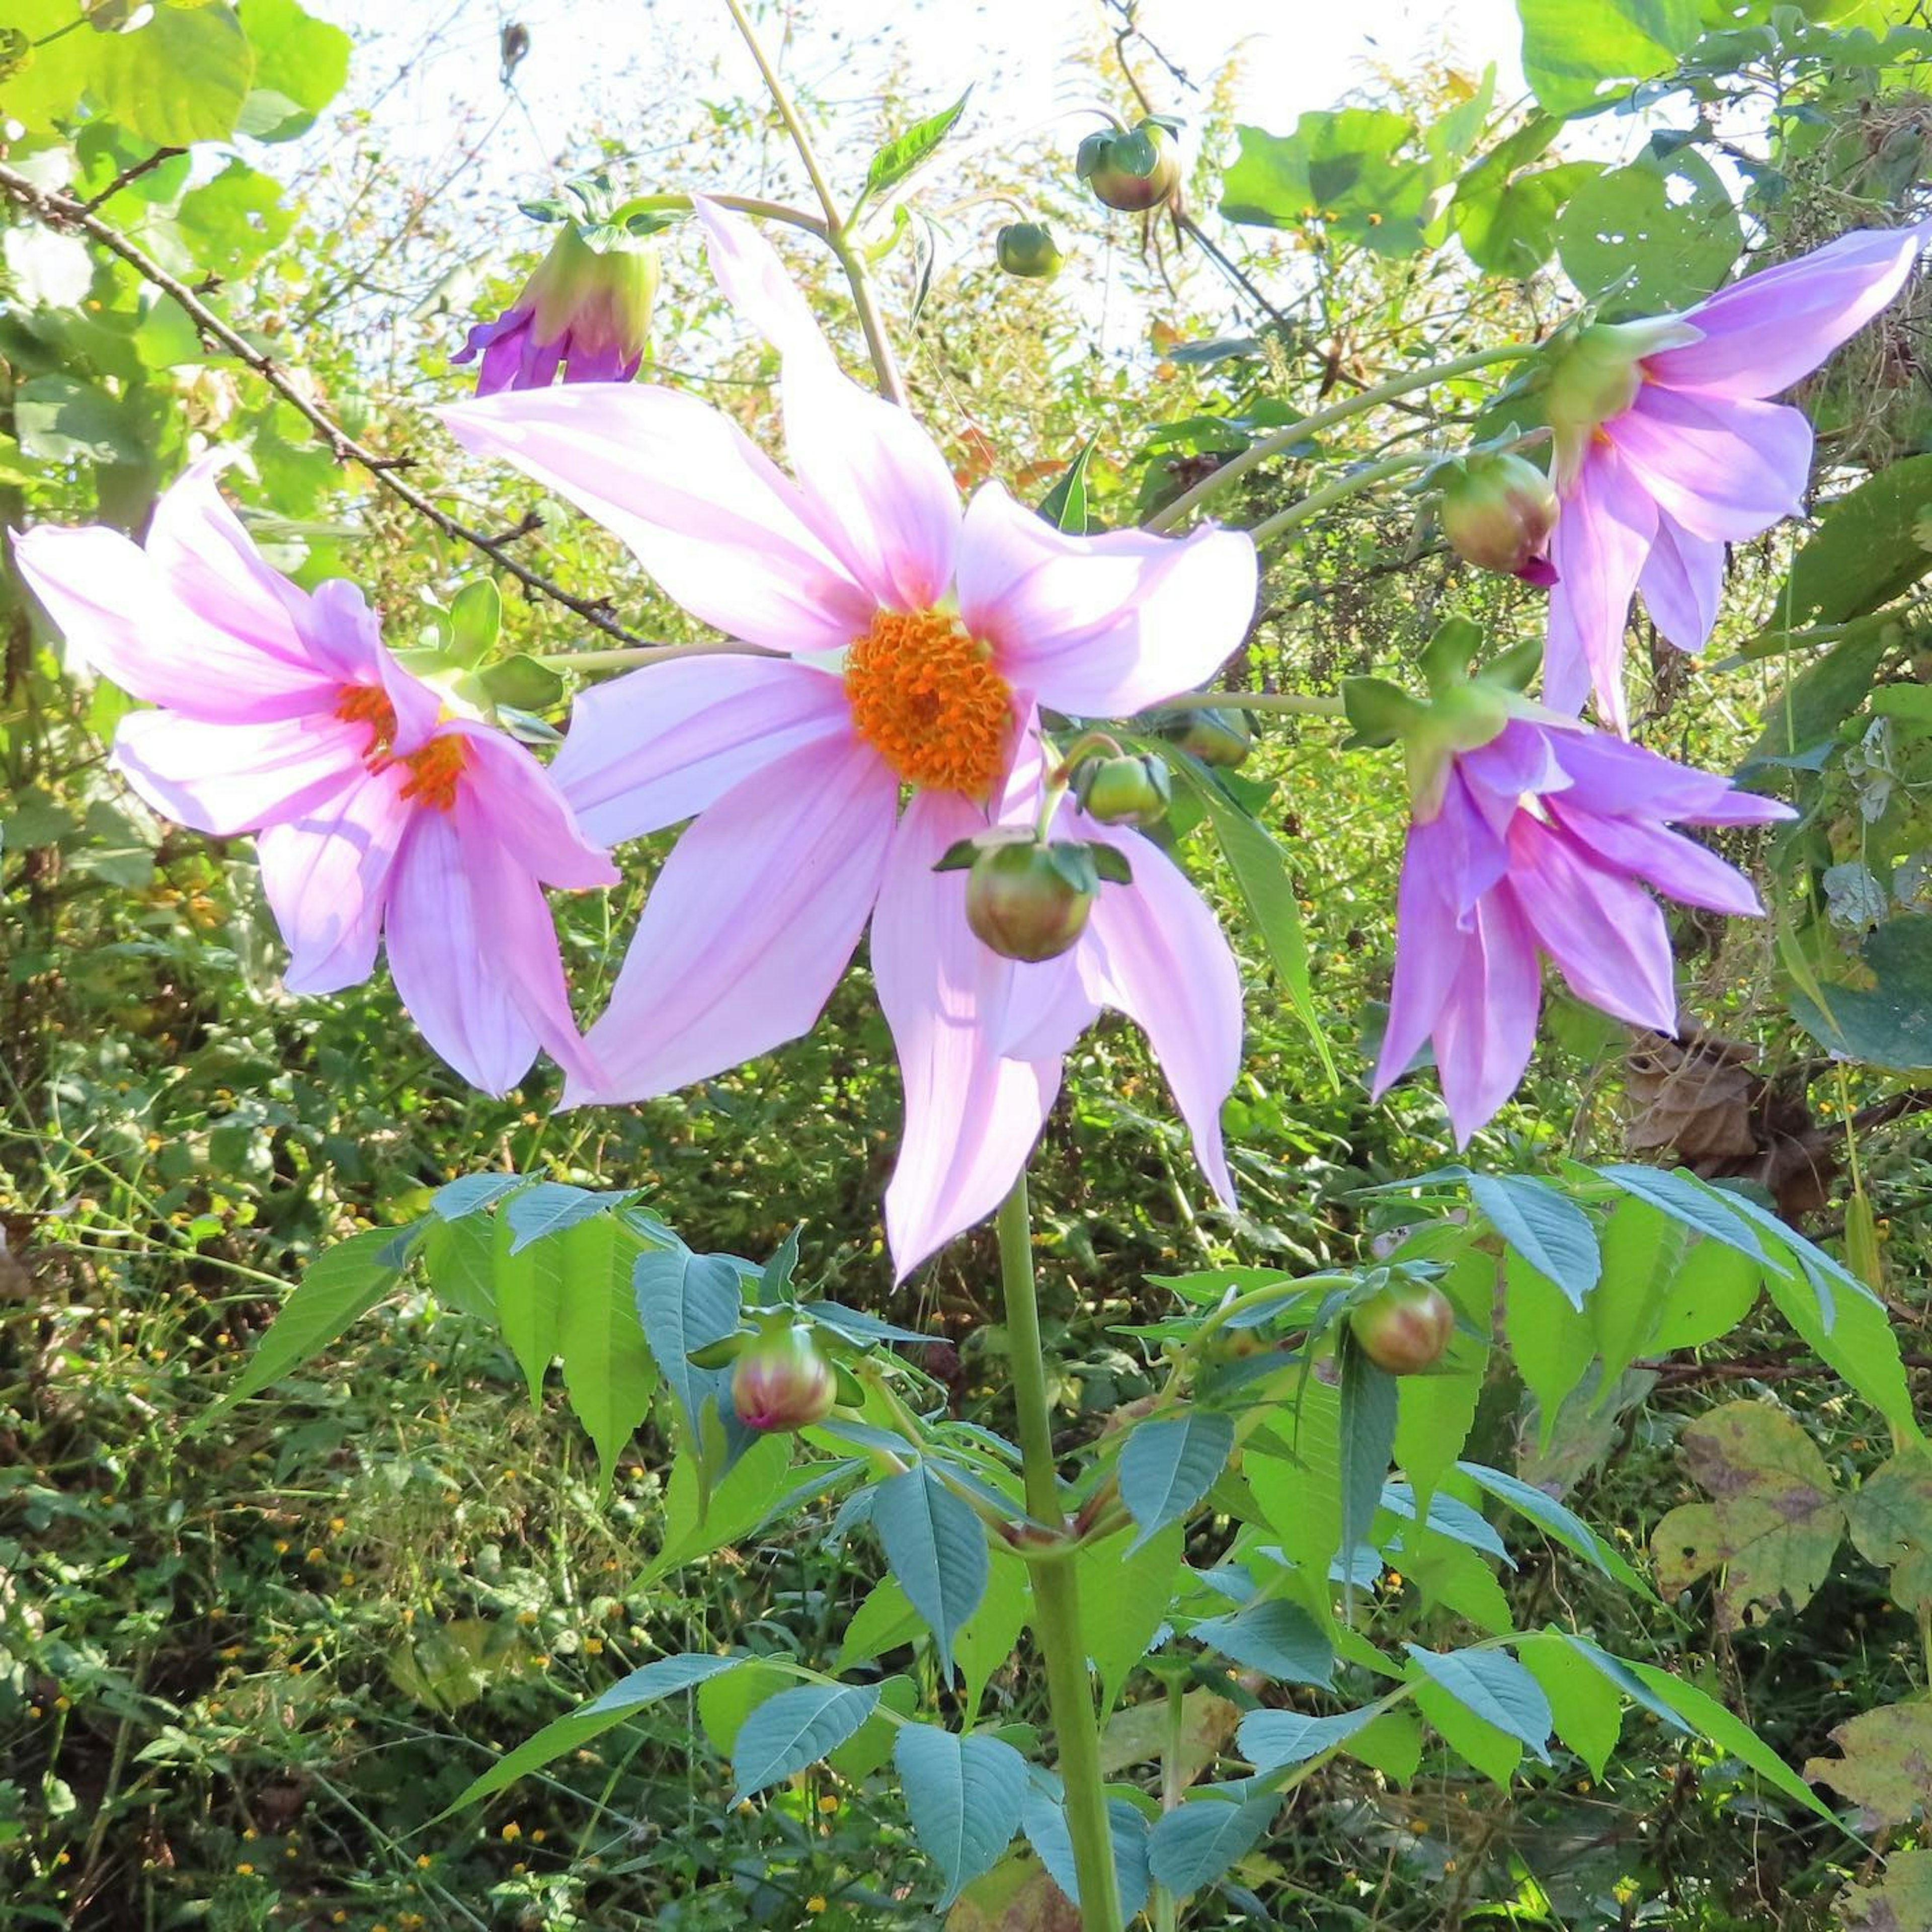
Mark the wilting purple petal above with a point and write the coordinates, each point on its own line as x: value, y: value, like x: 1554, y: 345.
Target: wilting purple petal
x: 665, y: 742
x: 507, y: 797
x: 972, y: 1115
x: 1104, y: 625
x: 327, y: 875
x: 230, y: 778
x: 1153, y: 951
x: 1763, y: 334
x: 1682, y: 580
x: 1487, y: 1028
x: 1600, y: 542
x: 749, y: 924
x: 708, y: 514
x: 1722, y: 468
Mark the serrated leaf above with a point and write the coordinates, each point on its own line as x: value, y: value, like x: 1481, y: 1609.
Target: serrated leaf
x: 964, y: 1795
x: 1585, y: 1704
x: 1558, y: 1522
x: 1367, y: 1440
x: 1274, y: 1636
x: 180, y: 77
x: 470, y: 1193
x: 1167, y: 1466
x: 685, y: 1303
x: 548, y: 1208
x: 937, y: 1547
x: 1272, y: 1740
x: 1685, y: 1199
x: 665, y: 1677
x: 795, y: 1729
x: 1495, y: 1688
x: 1890, y: 1518
x: 608, y: 1373
x: 1192, y: 1845
x: 1044, y: 1819
x: 1550, y: 1231
x: 528, y: 1283
x: 1123, y: 1601
x: 459, y: 1263
x: 900, y: 156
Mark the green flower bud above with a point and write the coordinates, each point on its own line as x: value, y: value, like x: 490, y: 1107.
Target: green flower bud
x: 1405, y: 1328
x: 781, y: 1380
x: 1215, y: 737
x: 1132, y: 169
x: 1027, y: 900
x: 1124, y: 790
x: 1028, y: 248
x: 1594, y: 375
x: 1498, y: 511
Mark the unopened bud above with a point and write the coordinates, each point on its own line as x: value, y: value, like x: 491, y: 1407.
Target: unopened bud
x: 781, y: 1380
x: 1215, y: 737
x: 1498, y: 511
x: 1124, y: 790
x: 1028, y: 900
x: 1131, y: 168
x: 1028, y: 248
x: 1405, y: 1327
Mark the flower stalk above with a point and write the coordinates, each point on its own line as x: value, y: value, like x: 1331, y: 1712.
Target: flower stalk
x: 1056, y: 1594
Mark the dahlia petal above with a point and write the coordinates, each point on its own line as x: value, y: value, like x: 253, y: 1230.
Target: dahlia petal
x: 506, y: 793
x: 1154, y: 950
x: 1487, y: 1028
x: 1519, y: 759
x: 1598, y: 549
x: 1049, y: 1007
x: 1622, y: 780
x: 1682, y: 581
x: 1101, y: 625
x: 750, y: 923
x: 1722, y: 468
x: 1764, y: 333
x: 1677, y: 866
x: 971, y: 1115
x: 445, y: 942
x: 327, y: 877
x: 1607, y: 935
x: 1467, y: 846
x: 225, y: 779
x: 747, y: 268
x: 667, y: 741
x: 340, y: 634
x: 118, y: 614
x: 1430, y: 942
x: 707, y: 513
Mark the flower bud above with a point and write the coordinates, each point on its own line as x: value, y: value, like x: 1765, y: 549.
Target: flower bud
x: 1131, y: 168
x: 1026, y: 898
x: 586, y: 310
x: 1215, y: 737
x: 1028, y: 248
x: 1405, y: 1328
x: 781, y: 1380
x: 1594, y: 374
x: 1498, y: 511
x: 1124, y: 790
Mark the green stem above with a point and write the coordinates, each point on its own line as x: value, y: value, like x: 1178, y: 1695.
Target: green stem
x: 1166, y: 1906
x: 742, y: 204
x: 1289, y: 434
x: 1056, y: 1595
x: 1339, y: 491
x: 631, y: 656
x: 1292, y: 702
x: 884, y: 365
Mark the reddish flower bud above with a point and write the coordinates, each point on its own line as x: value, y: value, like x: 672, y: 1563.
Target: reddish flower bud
x: 586, y: 310
x: 781, y: 1380
x: 1026, y: 899
x: 1498, y: 511
x: 1124, y: 790
x: 1132, y: 169
x: 1028, y: 248
x: 1405, y: 1328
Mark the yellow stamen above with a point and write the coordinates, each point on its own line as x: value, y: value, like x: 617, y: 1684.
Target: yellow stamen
x: 926, y: 696
x: 434, y: 770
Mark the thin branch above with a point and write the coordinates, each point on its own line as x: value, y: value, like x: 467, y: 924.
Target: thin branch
x: 62, y: 212
x: 132, y: 174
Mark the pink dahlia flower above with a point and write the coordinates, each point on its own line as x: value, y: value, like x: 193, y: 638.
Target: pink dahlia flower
x: 280, y: 713
x: 1541, y: 843
x: 911, y: 643
x: 1666, y: 449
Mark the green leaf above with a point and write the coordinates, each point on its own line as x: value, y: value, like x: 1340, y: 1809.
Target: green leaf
x: 1703, y: 1713
x: 1167, y: 1466
x: 1776, y: 1521
x: 476, y: 618
x: 984, y: 1641
x: 179, y: 78
x: 795, y: 1729
x: 548, y: 1208
x: 1579, y: 59
x: 301, y: 64
x: 1903, y: 1900
x: 1888, y: 1023
x: 883, y: 1621
x: 1064, y: 506
x: 686, y: 1302
x: 871, y: 1744
x: 1435, y: 1413
x: 1643, y: 1249
x: 1714, y: 1288
x: 459, y: 1263
x: 1627, y: 244
x: 1585, y: 1705
x: 1124, y: 1600
x: 695, y: 1523
x: 1272, y: 1740
x: 900, y: 156
x: 470, y: 1193
x: 1367, y: 1440
x: 1261, y: 870
x: 341, y: 1285
x: 232, y: 222
x: 665, y: 1677
x: 1885, y: 1768
x: 1890, y: 1518
x: 937, y: 1548
x: 1492, y: 1686
x: 608, y: 1370
x: 1197, y: 1841
x: 1551, y: 1343
x: 1802, y: 717
x: 1274, y: 1636
x: 1044, y: 1819
x: 1685, y: 1199
x: 62, y: 419
x: 1864, y: 552
x: 529, y: 1283
x: 1354, y: 168
x: 1506, y: 220
x: 1561, y: 1523
x: 965, y: 1796
x: 1550, y: 1231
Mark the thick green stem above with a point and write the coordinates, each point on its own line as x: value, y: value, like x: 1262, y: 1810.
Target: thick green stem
x: 1339, y: 491
x: 1056, y: 1595
x: 630, y: 657
x: 741, y: 204
x: 1290, y: 434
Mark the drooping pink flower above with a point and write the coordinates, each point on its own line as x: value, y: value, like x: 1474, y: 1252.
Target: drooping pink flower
x: 585, y: 311
x: 1666, y: 449
x: 1537, y: 844
x: 911, y: 644
x: 282, y: 714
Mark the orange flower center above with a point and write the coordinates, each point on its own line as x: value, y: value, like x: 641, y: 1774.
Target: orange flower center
x: 926, y: 698
x: 434, y: 770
